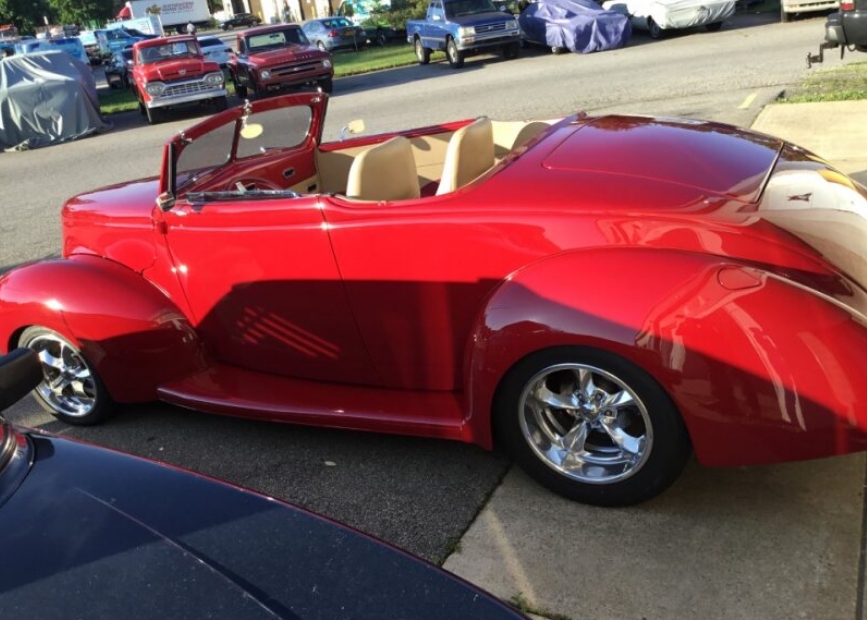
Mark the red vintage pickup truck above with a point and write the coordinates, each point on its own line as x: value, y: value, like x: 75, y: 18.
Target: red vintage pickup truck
x: 172, y: 71
x: 271, y: 58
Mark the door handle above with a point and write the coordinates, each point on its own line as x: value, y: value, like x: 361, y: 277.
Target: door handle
x: 289, y: 173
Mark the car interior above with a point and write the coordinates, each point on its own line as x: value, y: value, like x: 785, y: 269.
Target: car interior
x: 425, y: 165
x: 403, y: 167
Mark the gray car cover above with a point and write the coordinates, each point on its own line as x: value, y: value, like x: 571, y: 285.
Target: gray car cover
x: 46, y: 98
x: 577, y: 25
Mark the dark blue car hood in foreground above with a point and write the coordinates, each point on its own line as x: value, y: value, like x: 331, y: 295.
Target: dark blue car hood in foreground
x: 92, y: 533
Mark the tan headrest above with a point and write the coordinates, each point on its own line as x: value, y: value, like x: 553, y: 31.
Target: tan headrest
x: 384, y: 172
x: 469, y: 154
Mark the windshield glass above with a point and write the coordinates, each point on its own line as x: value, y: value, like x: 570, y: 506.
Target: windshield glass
x: 206, y: 153
x: 469, y: 7
x: 279, y: 38
x: 168, y: 51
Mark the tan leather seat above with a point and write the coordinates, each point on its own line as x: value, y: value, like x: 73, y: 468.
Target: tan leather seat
x: 384, y: 172
x: 469, y: 154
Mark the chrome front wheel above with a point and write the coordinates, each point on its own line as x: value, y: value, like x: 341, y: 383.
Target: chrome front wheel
x: 591, y: 426
x: 71, y: 389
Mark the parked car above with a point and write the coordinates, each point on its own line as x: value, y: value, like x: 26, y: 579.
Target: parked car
x: 240, y: 20
x: 215, y: 50
x: 601, y: 295
x: 118, y: 68
x: 462, y: 27
x: 376, y: 23
x: 172, y: 71
x: 166, y: 543
x: 273, y: 58
x: 660, y: 17
x: 575, y: 25
x: 846, y: 28
x: 115, y: 39
x: 334, y: 33
x: 47, y: 98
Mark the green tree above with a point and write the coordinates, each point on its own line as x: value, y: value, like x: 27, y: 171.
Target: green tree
x: 81, y: 11
x: 26, y: 15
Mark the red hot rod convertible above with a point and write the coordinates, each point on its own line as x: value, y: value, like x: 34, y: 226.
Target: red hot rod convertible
x: 600, y: 295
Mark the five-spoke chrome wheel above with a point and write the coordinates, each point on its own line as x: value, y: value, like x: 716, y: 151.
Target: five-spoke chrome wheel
x: 71, y: 390
x: 586, y: 423
x: 591, y: 426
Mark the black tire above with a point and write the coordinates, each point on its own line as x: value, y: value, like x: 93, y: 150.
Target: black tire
x: 381, y: 38
x: 155, y: 115
x: 99, y: 404
x: 241, y: 91
x: 110, y: 83
x: 220, y: 103
x: 665, y: 437
x: 511, y: 50
x: 326, y: 84
x: 422, y: 53
x: 454, y: 55
x: 714, y: 27
x: 655, y: 31
x: 141, y: 109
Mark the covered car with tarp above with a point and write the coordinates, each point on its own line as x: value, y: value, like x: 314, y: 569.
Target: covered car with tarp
x: 659, y: 17
x: 46, y: 98
x: 580, y: 26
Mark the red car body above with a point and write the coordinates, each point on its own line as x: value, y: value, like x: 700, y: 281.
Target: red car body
x: 161, y: 78
x: 276, y: 57
x: 678, y: 246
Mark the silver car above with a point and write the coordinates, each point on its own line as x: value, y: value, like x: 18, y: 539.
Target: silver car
x: 334, y: 33
x: 215, y: 50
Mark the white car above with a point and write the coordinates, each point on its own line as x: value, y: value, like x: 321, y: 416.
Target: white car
x: 215, y: 50
x: 659, y: 16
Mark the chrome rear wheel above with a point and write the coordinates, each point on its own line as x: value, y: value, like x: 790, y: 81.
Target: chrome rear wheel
x: 586, y: 423
x: 591, y: 426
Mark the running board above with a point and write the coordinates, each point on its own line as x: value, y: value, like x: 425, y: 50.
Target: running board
x: 228, y: 390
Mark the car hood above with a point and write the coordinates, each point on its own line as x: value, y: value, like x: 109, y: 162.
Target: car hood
x: 709, y: 157
x: 291, y: 53
x: 134, y: 199
x: 105, y: 535
x: 184, y: 68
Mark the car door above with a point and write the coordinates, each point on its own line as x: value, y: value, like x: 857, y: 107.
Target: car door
x: 255, y: 261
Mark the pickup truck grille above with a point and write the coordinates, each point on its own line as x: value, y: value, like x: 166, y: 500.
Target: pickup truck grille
x: 299, y: 68
x: 185, y: 88
x: 490, y: 28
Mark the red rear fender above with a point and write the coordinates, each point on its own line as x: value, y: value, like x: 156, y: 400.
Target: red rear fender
x: 130, y: 331
x: 755, y: 380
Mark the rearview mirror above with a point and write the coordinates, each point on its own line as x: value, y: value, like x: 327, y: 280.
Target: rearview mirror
x: 351, y: 129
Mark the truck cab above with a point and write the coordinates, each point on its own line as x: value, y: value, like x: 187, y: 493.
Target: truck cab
x: 172, y: 71
x: 272, y: 58
x: 463, y: 27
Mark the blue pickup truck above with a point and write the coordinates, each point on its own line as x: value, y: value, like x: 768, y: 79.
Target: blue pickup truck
x: 461, y: 27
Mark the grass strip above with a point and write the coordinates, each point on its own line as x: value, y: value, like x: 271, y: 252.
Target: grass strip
x: 846, y: 83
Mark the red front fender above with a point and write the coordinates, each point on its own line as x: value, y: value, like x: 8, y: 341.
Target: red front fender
x: 762, y: 369
x: 134, y: 336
